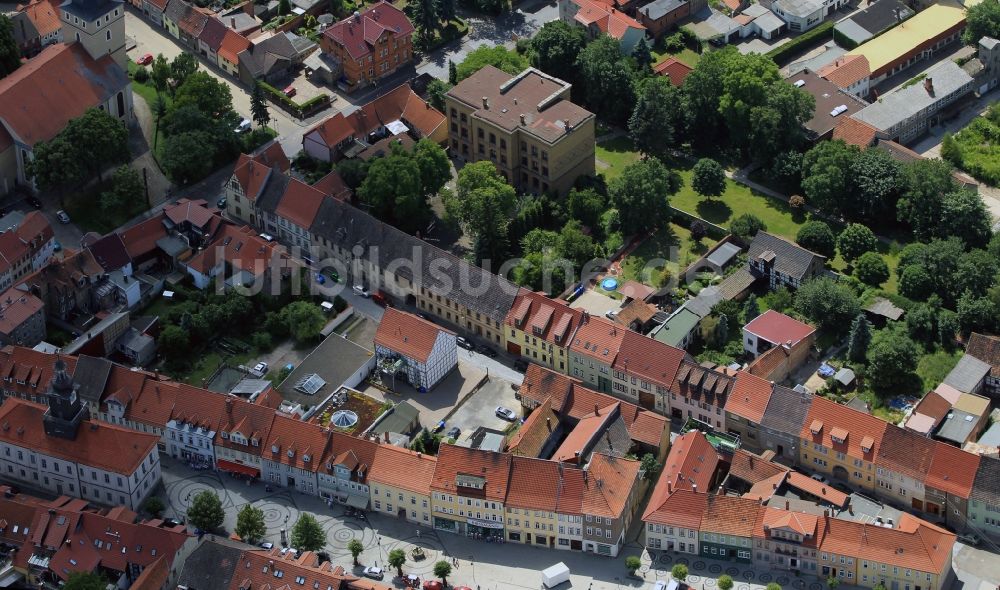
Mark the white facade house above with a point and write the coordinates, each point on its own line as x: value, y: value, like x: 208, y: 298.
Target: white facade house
x: 421, y: 351
x: 190, y: 442
x: 802, y: 15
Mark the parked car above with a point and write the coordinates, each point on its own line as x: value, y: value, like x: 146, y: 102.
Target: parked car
x: 488, y: 351
x: 454, y: 432
x: 969, y: 539
x: 464, y: 343
x: 611, y: 314
x: 819, y: 478
x: 145, y: 60
x: 506, y: 413
x: 221, y: 203
x: 260, y: 368
x: 62, y: 216
x: 334, y: 276
x: 267, y: 545
x: 266, y: 237
x: 320, y: 278
x: 362, y: 291
x: 380, y: 298
x: 521, y: 365
x: 35, y: 202
x: 374, y: 572
x: 56, y: 246
x: 243, y: 127
x: 289, y: 91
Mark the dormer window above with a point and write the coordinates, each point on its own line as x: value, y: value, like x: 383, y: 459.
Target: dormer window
x: 291, y: 453
x: 274, y: 448
x: 225, y: 435
x: 306, y: 458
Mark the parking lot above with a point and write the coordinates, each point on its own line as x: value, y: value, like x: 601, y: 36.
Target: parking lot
x: 436, y: 404
x: 480, y: 408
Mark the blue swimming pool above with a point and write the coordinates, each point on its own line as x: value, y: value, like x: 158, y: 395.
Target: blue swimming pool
x: 609, y: 284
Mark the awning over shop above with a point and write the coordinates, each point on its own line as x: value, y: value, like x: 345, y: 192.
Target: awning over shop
x: 238, y: 468
x: 355, y: 501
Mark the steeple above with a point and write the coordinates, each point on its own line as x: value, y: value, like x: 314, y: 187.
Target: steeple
x: 65, y: 412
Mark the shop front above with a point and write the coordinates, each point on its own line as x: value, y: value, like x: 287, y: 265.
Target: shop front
x: 238, y: 469
x: 483, y: 529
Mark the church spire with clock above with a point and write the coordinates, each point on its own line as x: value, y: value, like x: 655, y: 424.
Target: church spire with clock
x: 65, y: 412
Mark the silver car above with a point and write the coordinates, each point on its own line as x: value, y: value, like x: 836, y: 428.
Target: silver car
x: 506, y: 413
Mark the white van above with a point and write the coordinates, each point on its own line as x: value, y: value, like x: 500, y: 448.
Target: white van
x: 327, y: 306
x: 554, y: 575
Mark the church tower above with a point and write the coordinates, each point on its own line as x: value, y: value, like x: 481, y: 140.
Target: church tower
x: 98, y: 24
x: 65, y: 412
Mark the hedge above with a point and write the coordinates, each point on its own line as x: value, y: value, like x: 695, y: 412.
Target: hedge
x: 842, y: 40
x: 784, y: 54
x: 298, y: 109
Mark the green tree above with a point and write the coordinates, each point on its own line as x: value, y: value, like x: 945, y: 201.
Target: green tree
x: 250, y: 524
x: 154, y: 506
x: 102, y: 140
x: 964, y: 214
x: 174, y: 341
x: 632, y: 564
x: 452, y: 73
x: 442, y: 569
x: 497, y: 56
x: 641, y: 195
x: 607, y: 79
x: 975, y: 273
x: 284, y: 7
x: 203, y: 91
x: 948, y: 326
x: 982, y: 20
x: 484, y: 204
x: 679, y: 572
x: 392, y: 190
x: 160, y: 73
x: 258, y: 106
x: 436, y: 89
x: 827, y: 303
x: 818, y: 237
x: 773, y: 586
x: 183, y: 157
x: 871, y: 269
x: 950, y: 152
x: 434, y: 166
x: 976, y: 314
x: 750, y: 308
x: 642, y: 55
x: 85, y: 581
x: 304, y: 320
x: 855, y: 240
x: 698, y: 231
x: 921, y: 320
x: 915, y: 282
x: 924, y: 184
x: 128, y: 187
x: 397, y: 558
x: 892, y: 358
x: 56, y: 165
x: 355, y: 547
x: 159, y: 108
x: 832, y: 583
x: 446, y: 10
x: 586, y: 205
x: 746, y: 226
x: 353, y: 171
x: 650, y: 466
x: 556, y: 47
x: 183, y: 65
x: 659, y: 117
x: 307, y: 534
x: 860, y: 338
x: 725, y: 582
x: 722, y: 331
x: 826, y: 174
x: 575, y: 245
x: 424, y: 15
x: 10, y: 55
x: 206, y: 511
x: 708, y: 179
x: 875, y: 181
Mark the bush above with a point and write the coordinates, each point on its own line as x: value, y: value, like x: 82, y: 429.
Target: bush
x: 871, y: 269
x: 141, y: 75
x: 797, y: 202
x: 784, y: 54
x: 339, y: 304
x: 262, y: 341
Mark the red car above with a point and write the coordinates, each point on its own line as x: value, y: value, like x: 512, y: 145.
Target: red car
x: 289, y: 92
x: 433, y: 585
x: 145, y: 60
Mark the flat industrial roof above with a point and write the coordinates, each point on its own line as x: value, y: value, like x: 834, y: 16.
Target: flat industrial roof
x: 901, y: 40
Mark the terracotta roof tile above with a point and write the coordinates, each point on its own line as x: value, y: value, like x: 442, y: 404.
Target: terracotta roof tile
x: 952, y: 470
x: 609, y: 20
x: 140, y: 239
x: 115, y: 449
x: 749, y: 397
x: 608, y: 485
x: 800, y: 522
x: 905, y: 452
x: 59, y: 84
x: 753, y: 468
x: 729, y: 515
x: 300, y: 203
x: 408, y: 335
x: 583, y: 433
x: 403, y: 469
x: 537, y: 428
x: 16, y: 307
x: 295, y: 443
x: 846, y: 71
x: 454, y: 461
x: 44, y: 14
x: 359, y: 34
x: 598, y: 338
x: 854, y: 132
x: 691, y: 463
x: 648, y: 358
x: 674, y: 69
x: 819, y: 489
x: 551, y: 320
x: 914, y: 544
x: 232, y: 45
x: 778, y: 328
x: 332, y: 185
x: 825, y: 415
x: 534, y: 484
x: 682, y: 508
x: 260, y: 568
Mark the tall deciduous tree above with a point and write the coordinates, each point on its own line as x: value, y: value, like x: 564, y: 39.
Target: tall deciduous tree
x: 183, y: 158
x: 825, y: 174
x: 206, y: 511
x: 498, y: 56
x: 203, y: 91
x: 183, y: 65
x: 393, y: 190
x: 160, y: 73
x: 424, y: 14
x: 607, y: 79
x: 659, y: 118
x: 484, y: 203
x: 56, y: 164
x: 982, y: 20
x: 436, y: 89
x: 556, y: 47
x: 641, y: 195
x: 10, y: 55
x: 101, y: 139
x: 304, y: 320
x: 434, y: 166
x: 871, y: 269
x: 746, y: 226
x: 250, y: 524
x: 829, y: 304
x: 892, y: 358
x: 307, y: 534
x: 875, y: 180
x: 442, y: 569
x: 924, y: 184
x: 965, y: 216
x: 818, y: 237
x: 708, y: 179
x: 855, y: 240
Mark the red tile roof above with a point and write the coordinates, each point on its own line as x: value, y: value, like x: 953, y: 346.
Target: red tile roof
x: 987, y: 349
x: 241, y: 248
x: 402, y: 468
x: 846, y: 70
x: 551, y: 320
x: 753, y: 468
x: 608, y: 485
x: 730, y: 515
x: 300, y: 203
x: 749, y: 396
x: 691, y: 464
x: 598, y: 338
x: 196, y: 212
x: 819, y: 489
x: 952, y: 470
x: 16, y: 307
x: 914, y: 544
x: 140, y: 239
x: 454, y: 461
x: 260, y: 568
x: 232, y: 45
x: 608, y: 20
x: 359, y: 34
x: 407, y: 334
x: 295, y: 443
x: 401, y: 103
x: 650, y: 359
x: 531, y: 436
x: 799, y: 522
x: 534, y: 484
x: 584, y: 431
x: 778, y: 328
x: 332, y: 185
x: 101, y: 445
x: 674, y: 69
x: 682, y: 508
x: 854, y: 132
x: 863, y: 429
x: 59, y: 84
x: 44, y: 14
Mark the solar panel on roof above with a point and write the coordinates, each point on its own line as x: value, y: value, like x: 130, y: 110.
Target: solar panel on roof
x: 310, y: 384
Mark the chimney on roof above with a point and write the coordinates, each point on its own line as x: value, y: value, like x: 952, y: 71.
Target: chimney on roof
x: 694, y: 487
x: 548, y: 423
x: 721, y: 492
x: 597, y: 410
x: 929, y: 86
x: 788, y: 505
x: 826, y: 513
x: 229, y: 406
x: 486, y: 102
x: 751, y: 461
x: 523, y: 119
x: 387, y: 436
x: 232, y: 23
x: 670, y: 487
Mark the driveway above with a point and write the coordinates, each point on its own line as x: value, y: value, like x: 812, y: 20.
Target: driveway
x: 438, y: 403
x: 480, y: 408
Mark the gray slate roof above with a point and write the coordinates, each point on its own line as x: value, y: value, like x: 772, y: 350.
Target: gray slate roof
x: 269, y: 199
x: 175, y: 10
x: 334, y: 360
x: 986, y: 487
x: 91, y: 374
x: 790, y: 259
x: 89, y: 10
x: 786, y: 410
x: 210, y: 566
x: 957, y: 426
x: 885, y: 308
x: 896, y: 107
x: 880, y: 16
x: 348, y: 227
x: 660, y: 8
x: 800, y: 8
x: 967, y: 374
x: 723, y: 254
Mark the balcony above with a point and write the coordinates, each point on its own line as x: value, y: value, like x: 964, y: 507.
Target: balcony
x: 721, y: 441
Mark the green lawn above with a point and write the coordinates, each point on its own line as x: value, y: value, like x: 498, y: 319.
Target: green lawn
x: 614, y: 155
x: 687, y: 56
x: 659, y: 245
x: 933, y: 368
